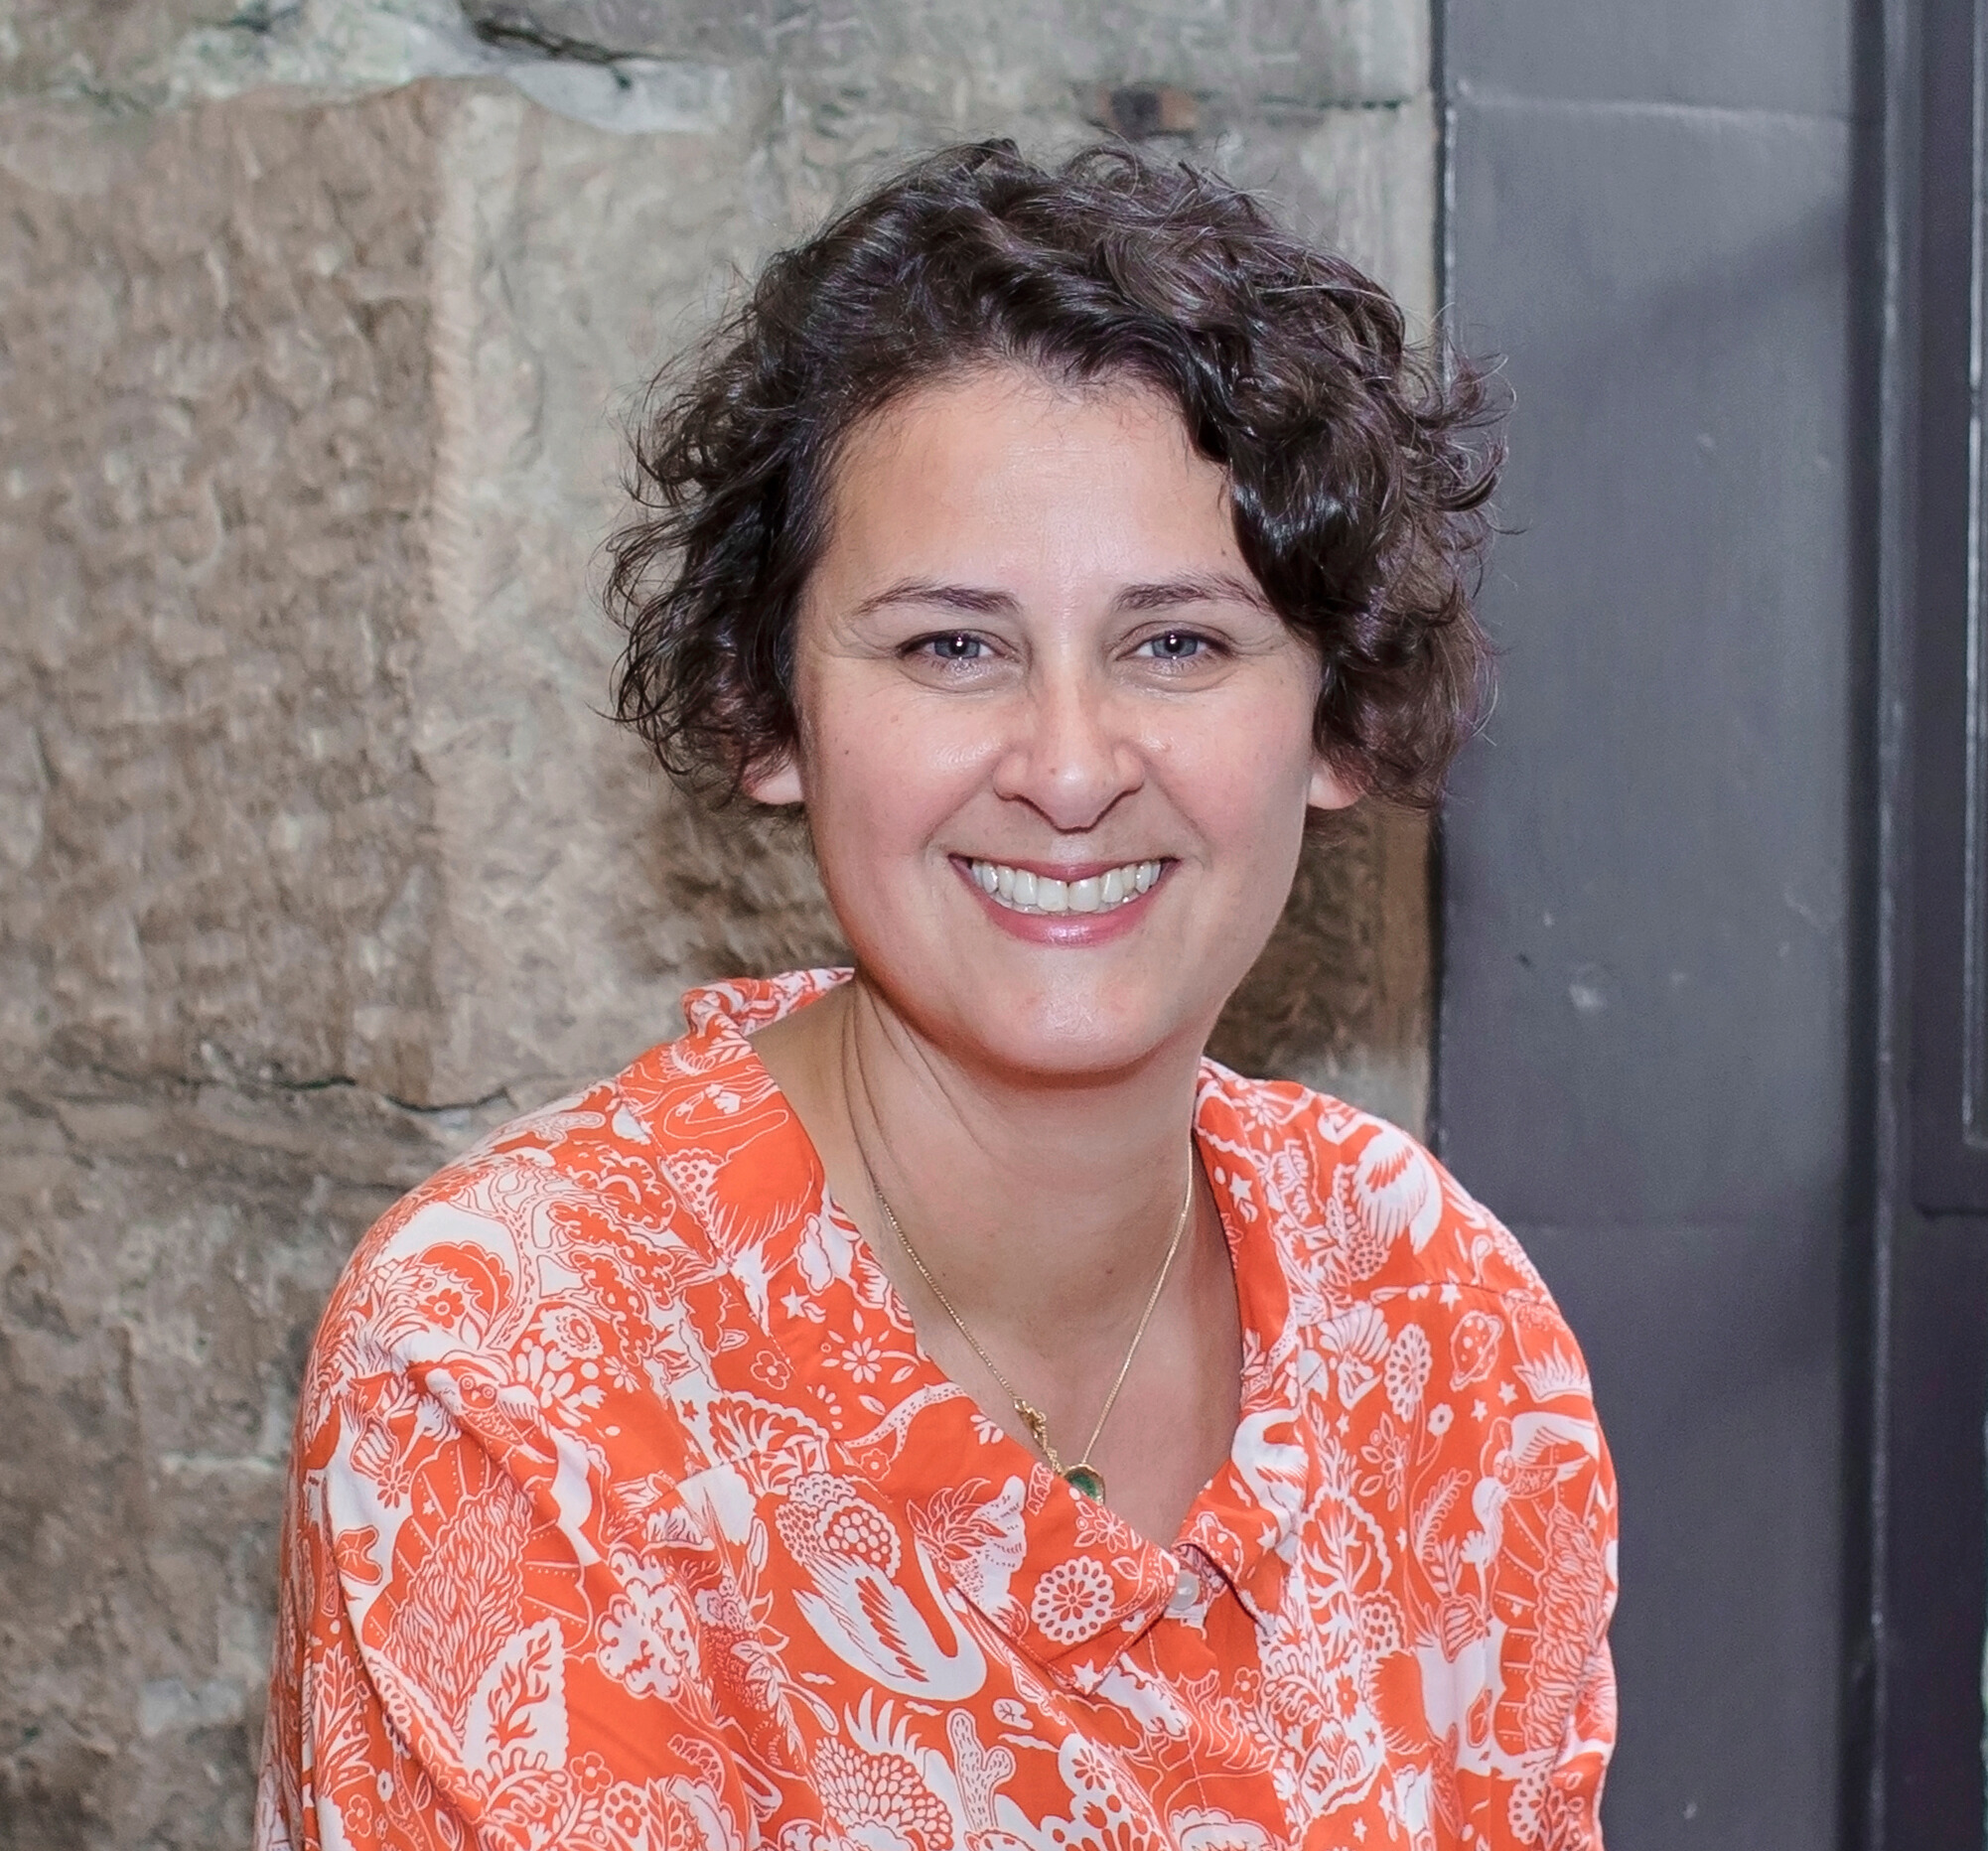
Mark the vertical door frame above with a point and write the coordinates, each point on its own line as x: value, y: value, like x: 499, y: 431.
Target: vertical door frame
x: 1919, y: 1763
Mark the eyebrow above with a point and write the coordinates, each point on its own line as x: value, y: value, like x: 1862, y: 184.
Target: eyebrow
x: 1192, y: 588
x: 971, y: 599
x: 1158, y: 594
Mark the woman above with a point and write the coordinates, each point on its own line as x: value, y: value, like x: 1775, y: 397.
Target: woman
x: 932, y: 1406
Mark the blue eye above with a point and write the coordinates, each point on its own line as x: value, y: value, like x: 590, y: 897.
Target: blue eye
x: 1176, y: 646
x: 959, y: 648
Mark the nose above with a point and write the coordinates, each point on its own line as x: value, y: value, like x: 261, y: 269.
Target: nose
x: 1072, y: 755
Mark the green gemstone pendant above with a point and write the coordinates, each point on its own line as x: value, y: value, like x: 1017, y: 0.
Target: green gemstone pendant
x: 1087, y: 1479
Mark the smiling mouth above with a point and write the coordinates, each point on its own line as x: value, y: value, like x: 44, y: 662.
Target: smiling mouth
x: 1021, y: 890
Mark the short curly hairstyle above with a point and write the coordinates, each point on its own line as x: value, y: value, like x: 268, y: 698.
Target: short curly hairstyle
x: 1358, y: 487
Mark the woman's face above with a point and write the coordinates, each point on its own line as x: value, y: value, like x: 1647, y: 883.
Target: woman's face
x: 1055, y: 749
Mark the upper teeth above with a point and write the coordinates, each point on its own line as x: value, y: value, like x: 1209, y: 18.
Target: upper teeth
x: 1023, y: 891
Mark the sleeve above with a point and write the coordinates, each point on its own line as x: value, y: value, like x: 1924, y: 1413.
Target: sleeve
x: 1557, y: 1717
x: 1472, y: 1441
x: 1511, y: 1583
x: 337, y: 1771
x: 1572, y: 1816
x: 469, y: 1654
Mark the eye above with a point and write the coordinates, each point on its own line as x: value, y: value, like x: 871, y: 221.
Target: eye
x: 961, y: 646
x: 1176, y: 646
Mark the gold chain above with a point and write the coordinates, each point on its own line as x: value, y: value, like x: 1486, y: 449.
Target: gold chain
x: 1083, y: 1475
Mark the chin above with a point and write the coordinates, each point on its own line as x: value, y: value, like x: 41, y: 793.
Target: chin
x: 1062, y: 1037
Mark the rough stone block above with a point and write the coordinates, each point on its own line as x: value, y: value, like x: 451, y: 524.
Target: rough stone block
x: 218, y: 433
x: 938, y: 58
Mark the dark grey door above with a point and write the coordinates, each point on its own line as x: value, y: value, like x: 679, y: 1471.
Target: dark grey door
x: 1706, y: 878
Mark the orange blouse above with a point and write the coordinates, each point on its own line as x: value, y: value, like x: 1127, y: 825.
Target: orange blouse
x: 625, y: 1512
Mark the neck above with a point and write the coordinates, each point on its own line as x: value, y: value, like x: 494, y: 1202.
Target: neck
x: 1043, y: 1210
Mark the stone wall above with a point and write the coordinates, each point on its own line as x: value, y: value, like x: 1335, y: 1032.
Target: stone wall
x: 315, y: 855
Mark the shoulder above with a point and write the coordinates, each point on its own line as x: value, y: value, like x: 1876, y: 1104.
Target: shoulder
x: 556, y: 1260
x: 1372, y: 1233
x: 1398, y: 1278
x: 1355, y: 1201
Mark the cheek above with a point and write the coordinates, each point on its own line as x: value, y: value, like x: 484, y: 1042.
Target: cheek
x: 1259, y: 822
x: 879, y: 782
x: 1248, y: 782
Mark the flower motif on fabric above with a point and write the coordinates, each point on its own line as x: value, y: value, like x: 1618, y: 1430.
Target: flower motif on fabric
x: 1073, y: 1601
x: 570, y: 1333
x: 1102, y: 1817
x: 565, y: 1390
x: 863, y: 1360
x: 826, y: 1519
x: 1406, y: 1370
x: 647, y: 1639
x: 1097, y: 1523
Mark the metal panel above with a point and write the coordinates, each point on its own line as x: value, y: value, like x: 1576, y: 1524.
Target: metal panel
x: 1933, y: 1608
x: 1653, y: 1050
x: 1647, y: 859
x: 1785, y: 54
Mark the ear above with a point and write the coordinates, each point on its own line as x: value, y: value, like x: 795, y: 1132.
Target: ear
x: 1330, y: 788
x: 775, y: 783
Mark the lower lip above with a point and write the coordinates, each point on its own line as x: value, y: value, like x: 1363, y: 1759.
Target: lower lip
x: 1070, y: 930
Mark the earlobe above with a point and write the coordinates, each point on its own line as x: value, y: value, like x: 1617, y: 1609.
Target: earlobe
x: 1330, y: 790
x: 775, y: 783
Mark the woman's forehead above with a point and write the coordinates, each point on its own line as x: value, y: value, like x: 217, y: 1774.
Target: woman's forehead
x: 1012, y: 472
x: 1018, y: 397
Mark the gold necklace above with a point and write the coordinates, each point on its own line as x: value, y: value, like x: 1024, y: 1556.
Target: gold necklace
x: 1082, y: 1476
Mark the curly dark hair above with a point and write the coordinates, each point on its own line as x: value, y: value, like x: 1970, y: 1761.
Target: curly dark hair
x: 1359, y: 491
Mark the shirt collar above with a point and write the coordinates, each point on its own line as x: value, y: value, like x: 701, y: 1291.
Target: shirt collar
x: 1083, y: 1584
